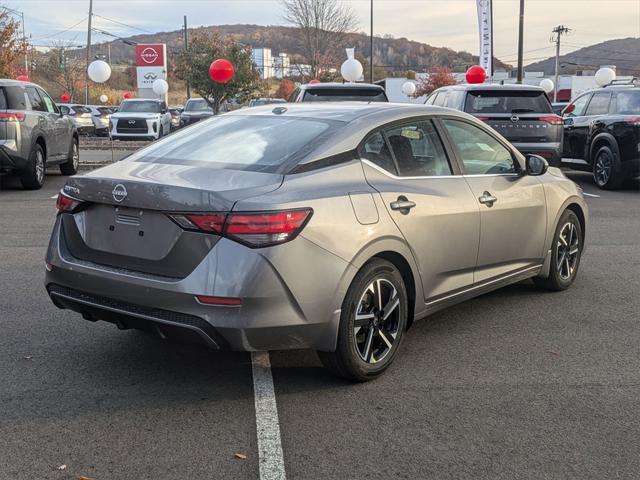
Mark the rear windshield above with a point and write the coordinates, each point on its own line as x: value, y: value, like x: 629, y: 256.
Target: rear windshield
x: 197, y: 106
x: 81, y: 109
x: 12, y: 98
x: 629, y: 103
x: 104, y: 110
x: 491, y: 101
x: 344, y: 95
x: 140, y: 107
x: 257, y: 143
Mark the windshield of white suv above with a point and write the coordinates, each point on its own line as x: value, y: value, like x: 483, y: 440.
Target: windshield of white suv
x: 140, y: 107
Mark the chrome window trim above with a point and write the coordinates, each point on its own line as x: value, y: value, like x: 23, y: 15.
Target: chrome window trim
x: 395, y: 177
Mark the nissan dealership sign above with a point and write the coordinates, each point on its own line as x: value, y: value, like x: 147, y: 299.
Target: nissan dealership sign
x: 151, y: 64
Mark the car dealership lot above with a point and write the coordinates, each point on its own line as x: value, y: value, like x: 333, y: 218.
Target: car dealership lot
x: 515, y: 384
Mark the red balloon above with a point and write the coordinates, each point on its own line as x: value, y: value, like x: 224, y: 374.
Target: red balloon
x: 221, y: 70
x: 127, y: 95
x: 476, y: 74
x: 22, y: 78
x: 315, y: 80
x: 65, y: 97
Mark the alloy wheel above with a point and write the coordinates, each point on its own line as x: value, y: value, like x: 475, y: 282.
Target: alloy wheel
x: 377, y: 321
x: 602, y: 170
x: 75, y: 159
x: 568, y: 251
x: 39, y: 166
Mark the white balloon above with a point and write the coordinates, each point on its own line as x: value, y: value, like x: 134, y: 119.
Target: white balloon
x: 351, y: 70
x: 104, y: 98
x: 160, y: 86
x: 605, y: 76
x: 547, y: 85
x: 99, y: 71
x: 408, y: 88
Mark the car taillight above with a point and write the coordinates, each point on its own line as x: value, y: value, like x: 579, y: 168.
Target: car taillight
x: 552, y: 119
x: 480, y: 117
x: 632, y: 120
x: 254, y: 229
x: 12, y: 117
x: 66, y: 204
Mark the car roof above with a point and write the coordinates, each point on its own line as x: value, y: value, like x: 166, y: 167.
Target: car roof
x: 142, y: 100
x: 340, y: 86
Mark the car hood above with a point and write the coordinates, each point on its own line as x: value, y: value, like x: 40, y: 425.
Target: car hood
x: 135, y: 115
x: 169, y: 187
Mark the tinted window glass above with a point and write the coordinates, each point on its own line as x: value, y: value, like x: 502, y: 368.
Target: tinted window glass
x: 64, y: 109
x: 480, y: 152
x: 141, y: 107
x: 36, y: 101
x: 15, y: 98
x: 344, y: 95
x: 599, y: 104
x: 455, y: 99
x: 3, y: 100
x: 629, y: 103
x: 241, y: 142
x: 579, y: 106
x: 377, y: 151
x: 418, y: 150
x: 81, y: 109
x: 492, y: 101
x: 197, y: 106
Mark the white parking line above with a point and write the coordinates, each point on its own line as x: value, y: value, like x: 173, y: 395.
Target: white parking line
x: 270, y: 458
x: 590, y: 195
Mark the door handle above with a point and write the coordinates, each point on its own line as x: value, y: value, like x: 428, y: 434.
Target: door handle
x: 487, y: 199
x: 402, y: 204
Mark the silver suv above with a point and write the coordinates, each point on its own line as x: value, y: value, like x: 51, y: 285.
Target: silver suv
x: 34, y: 134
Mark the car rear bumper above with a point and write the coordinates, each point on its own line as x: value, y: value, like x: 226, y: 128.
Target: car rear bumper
x: 271, y: 316
x: 551, y: 151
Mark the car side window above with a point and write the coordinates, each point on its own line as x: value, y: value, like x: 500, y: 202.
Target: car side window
x: 441, y: 99
x: 36, y: 101
x: 432, y: 98
x: 64, y: 109
x: 599, y: 104
x: 377, y: 151
x: 294, y: 96
x: 481, y: 153
x: 418, y: 150
x: 49, y: 104
x: 580, y: 104
x: 454, y: 100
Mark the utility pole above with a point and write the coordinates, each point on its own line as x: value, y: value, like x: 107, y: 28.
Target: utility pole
x: 558, y: 31
x: 86, y: 70
x: 371, y: 47
x: 520, y: 41
x: 186, y: 47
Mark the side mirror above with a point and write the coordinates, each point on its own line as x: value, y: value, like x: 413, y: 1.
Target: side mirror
x: 568, y: 109
x: 536, y: 165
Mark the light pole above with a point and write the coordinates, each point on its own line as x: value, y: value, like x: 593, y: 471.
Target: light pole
x: 371, y: 47
x: 520, y: 41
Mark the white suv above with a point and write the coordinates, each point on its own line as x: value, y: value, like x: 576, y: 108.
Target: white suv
x: 141, y: 118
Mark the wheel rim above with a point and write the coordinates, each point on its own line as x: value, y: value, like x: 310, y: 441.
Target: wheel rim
x: 602, y: 170
x: 377, y: 321
x: 76, y: 156
x: 39, y: 166
x: 568, y: 251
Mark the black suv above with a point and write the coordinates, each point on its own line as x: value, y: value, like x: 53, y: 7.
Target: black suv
x: 602, y: 134
x: 520, y: 113
x: 34, y: 134
x: 338, y: 92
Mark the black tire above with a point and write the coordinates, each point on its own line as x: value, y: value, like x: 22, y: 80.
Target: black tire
x: 564, y: 267
x: 606, y: 169
x: 70, y: 167
x: 32, y: 176
x: 358, y: 346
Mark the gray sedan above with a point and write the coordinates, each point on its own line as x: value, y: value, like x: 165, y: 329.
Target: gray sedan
x: 331, y: 227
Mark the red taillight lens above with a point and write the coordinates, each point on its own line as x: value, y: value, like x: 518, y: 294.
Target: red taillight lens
x: 633, y: 120
x: 259, y: 229
x: 12, y: 117
x: 483, y: 118
x: 552, y: 119
x: 66, y: 204
x: 266, y: 228
x: 219, y: 301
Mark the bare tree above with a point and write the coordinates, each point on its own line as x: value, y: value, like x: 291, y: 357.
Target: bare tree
x: 323, y: 26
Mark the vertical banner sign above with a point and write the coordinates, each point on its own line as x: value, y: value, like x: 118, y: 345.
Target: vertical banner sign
x: 151, y: 64
x: 485, y: 26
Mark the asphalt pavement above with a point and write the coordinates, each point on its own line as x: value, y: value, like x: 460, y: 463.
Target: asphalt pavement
x: 516, y: 384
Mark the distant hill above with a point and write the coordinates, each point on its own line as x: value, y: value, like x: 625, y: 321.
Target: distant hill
x: 623, y: 52
x: 395, y: 54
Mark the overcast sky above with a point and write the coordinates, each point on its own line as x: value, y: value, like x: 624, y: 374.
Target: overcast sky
x: 450, y: 23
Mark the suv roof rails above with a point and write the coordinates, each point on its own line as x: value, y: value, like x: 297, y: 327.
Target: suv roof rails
x: 614, y: 83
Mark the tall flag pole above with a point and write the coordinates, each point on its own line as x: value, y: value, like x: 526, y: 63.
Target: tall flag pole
x: 485, y: 27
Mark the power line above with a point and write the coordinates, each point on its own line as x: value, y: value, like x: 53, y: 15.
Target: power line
x: 123, y: 24
x: 61, y: 31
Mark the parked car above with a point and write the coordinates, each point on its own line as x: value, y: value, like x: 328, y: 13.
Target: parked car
x: 80, y: 115
x: 100, y: 114
x: 141, y: 118
x: 34, y: 135
x: 521, y: 113
x: 338, y: 92
x: 195, y: 110
x: 237, y: 233
x: 259, y: 102
x: 602, y: 134
x: 175, y: 112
